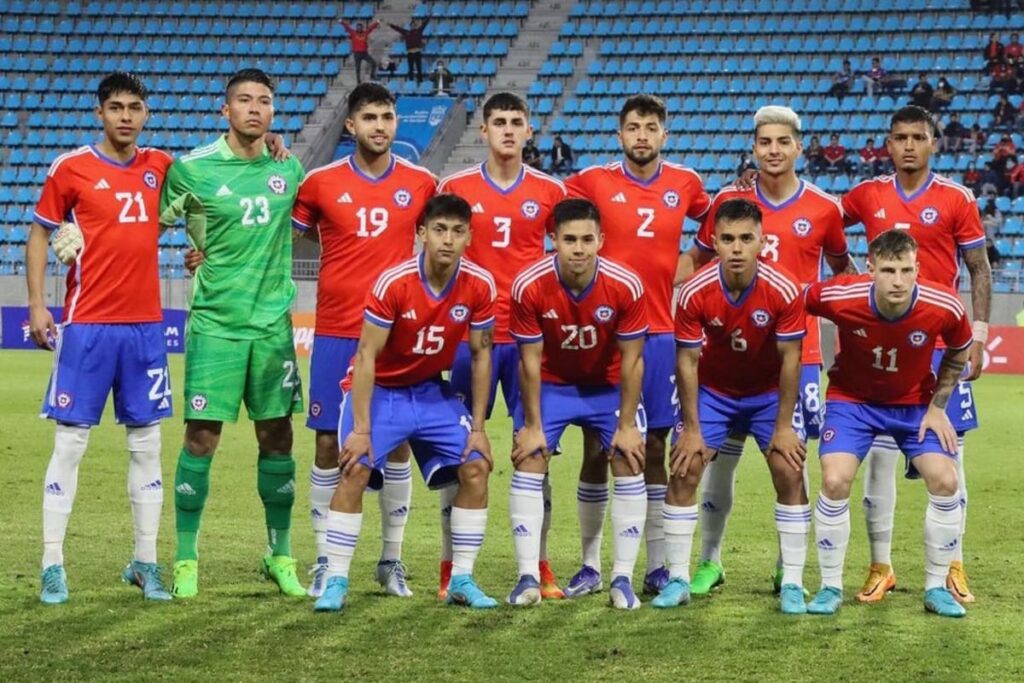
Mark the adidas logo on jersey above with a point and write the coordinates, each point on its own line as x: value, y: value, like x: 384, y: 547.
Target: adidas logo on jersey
x: 345, y: 199
x: 620, y: 198
x: 715, y: 322
x: 521, y: 531
x: 224, y: 191
x: 155, y: 485
x: 288, y: 487
x: 861, y: 332
x: 101, y: 185
x: 880, y: 213
x: 631, y: 532
x: 409, y: 315
x: 478, y: 208
x: 185, y: 489
x: 54, y: 489
x: 164, y: 404
x: 552, y: 314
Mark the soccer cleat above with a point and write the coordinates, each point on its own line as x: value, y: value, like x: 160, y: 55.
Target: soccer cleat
x: 526, y: 592
x: 391, y: 577
x: 186, y: 579
x: 621, y: 595
x: 281, y: 570
x: 827, y: 601
x: 791, y: 599
x: 956, y: 583
x: 655, y: 581
x: 334, y: 595
x: 54, y: 585
x: 549, y: 588
x: 940, y: 601
x: 675, y: 592
x: 462, y: 590
x: 710, y: 575
x: 146, y: 575
x: 880, y: 581
x: 586, y: 581
x: 319, y: 574
x: 446, y: 577
x: 777, y: 584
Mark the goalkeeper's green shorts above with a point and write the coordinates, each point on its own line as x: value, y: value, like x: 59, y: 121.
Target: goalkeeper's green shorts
x: 221, y: 373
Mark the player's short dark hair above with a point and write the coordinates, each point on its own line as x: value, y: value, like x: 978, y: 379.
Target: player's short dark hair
x: 368, y: 93
x: 251, y: 75
x: 121, y: 81
x: 914, y: 114
x: 505, y: 101
x: 891, y: 244
x: 447, y: 206
x: 734, y: 210
x: 644, y: 105
x: 576, y: 210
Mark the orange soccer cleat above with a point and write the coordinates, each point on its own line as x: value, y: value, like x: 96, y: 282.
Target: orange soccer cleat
x: 549, y: 589
x: 956, y: 583
x: 446, y: 576
x: 880, y: 581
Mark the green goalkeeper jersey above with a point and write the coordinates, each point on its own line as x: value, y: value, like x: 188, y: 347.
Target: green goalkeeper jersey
x: 238, y: 213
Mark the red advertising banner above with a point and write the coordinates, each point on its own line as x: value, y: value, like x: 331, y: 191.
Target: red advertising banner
x: 1004, y: 353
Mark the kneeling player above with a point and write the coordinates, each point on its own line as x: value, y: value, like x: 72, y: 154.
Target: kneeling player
x: 735, y: 308
x: 415, y: 316
x: 577, y: 317
x: 882, y: 383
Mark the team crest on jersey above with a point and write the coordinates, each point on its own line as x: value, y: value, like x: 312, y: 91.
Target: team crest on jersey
x: 459, y: 313
x: 929, y: 215
x: 314, y: 409
x: 670, y: 198
x: 277, y: 184
x: 530, y: 209
x: 402, y: 197
x: 802, y: 227
x: 761, y: 317
x: 63, y: 399
x: 829, y: 435
x: 603, y: 314
x: 150, y: 179
x: 198, y: 403
x: 917, y: 338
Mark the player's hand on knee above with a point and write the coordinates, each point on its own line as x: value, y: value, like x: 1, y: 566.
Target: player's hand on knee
x: 529, y: 442
x: 935, y: 419
x: 41, y: 327
x: 356, y: 445
x: 193, y: 259
x: 788, y: 445
x: 628, y: 443
x: 687, y: 452
x: 479, y: 442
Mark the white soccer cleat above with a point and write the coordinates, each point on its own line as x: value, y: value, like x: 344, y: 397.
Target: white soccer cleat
x: 67, y: 243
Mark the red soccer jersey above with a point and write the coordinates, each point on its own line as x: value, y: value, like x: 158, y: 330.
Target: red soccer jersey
x: 887, y: 362
x: 942, y: 216
x: 426, y: 328
x: 366, y: 226
x: 116, y: 277
x: 508, y: 226
x: 643, y: 224
x: 797, y: 233
x: 580, y: 334
x: 740, y: 357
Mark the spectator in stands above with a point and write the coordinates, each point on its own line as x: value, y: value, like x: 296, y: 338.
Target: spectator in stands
x: 414, y: 43
x: 994, y: 257
x: 992, y: 219
x: 1015, y: 179
x: 977, y: 139
x: 360, y: 37
x: 1004, y: 149
x: 944, y: 94
x: 1016, y: 83
x: 1004, y: 76
x: 815, y: 155
x: 879, y: 78
x: 561, y: 156
x: 870, y: 164
x: 884, y: 159
x: 990, y: 181
x: 953, y: 134
x: 389, y: 66
x: 531, y: 154
x: 842, y: 81
x: 443, y: 78
x: 922, y: 92
x: 1004, y: 116
x: 835, y: 156
x: 993, y: 51
x: 972, y: 178
x: 745, y: 164
x: 1014, y: 49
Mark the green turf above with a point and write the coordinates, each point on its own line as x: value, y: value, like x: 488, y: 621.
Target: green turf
x: 240, y: 629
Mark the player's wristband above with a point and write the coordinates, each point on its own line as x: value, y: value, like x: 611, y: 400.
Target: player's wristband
x: 980, y: 330
x: 477, y: 431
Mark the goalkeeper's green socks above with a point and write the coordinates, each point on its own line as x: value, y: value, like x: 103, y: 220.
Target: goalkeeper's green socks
x: 191, y: 487
x: 275, y: 481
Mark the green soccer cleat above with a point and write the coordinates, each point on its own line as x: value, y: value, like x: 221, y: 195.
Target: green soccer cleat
x: 827, y: 601
x: 54, y: 586
x: 791, y: 599
x: 940, y: 601
x: 186, y: 579
x: 281, y: 570
x: 146, y: 575
x: 710, y: 575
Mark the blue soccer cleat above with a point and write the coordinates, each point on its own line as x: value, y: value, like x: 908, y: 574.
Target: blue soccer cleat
x: 621, y: 595
x: 146, y: 575
x: 791, y: 599
x: 318, y: 572
x: 655, y: 581
x: 940, y: 601
x: 827, y: 601
x: 334, y: 595
x: 391, y: 577
x: 586, y: 581
x: 54, y: 582
x: 676, y: 592
x: 462, y: 590
x: 526, y: 592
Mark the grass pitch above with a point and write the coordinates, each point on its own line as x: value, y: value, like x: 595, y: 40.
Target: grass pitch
x: 240, y: 629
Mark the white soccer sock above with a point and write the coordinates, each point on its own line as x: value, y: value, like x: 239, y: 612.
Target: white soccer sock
x: 145, y: 488
x: 958, y: 555
x: 793, y: 523
x: 342, y: 534
x: 468, y: 527
x: 654, y: 534
x: 832, y: 531
x: 942, y: 519
x: 629, y: 509
x: 591, y: 505
x: 680, y: 525
x: 545, y: 528
x: 447, y: 501
x: 322, y: 483
x: 395, y: 499
x: 880, y: 497
x: 526, y: 509
x: 717, y: 487
x: 59, y: 487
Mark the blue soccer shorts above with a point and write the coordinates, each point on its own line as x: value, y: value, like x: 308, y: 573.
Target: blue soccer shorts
x: 722, y: 415
x: 660, y: 400
x: 328, y: 364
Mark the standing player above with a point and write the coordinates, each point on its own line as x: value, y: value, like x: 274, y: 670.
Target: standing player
x: 739, y: 323
x: 577, y: 319
x: 644, y: 201
x: 237, y: 205
x: 111, y: 337
x: 803, y: 227
x: 942, y: 216
x: 365, y: 209
x: 416, y: 315
x: 512, y: 205
x: 882, y: 382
